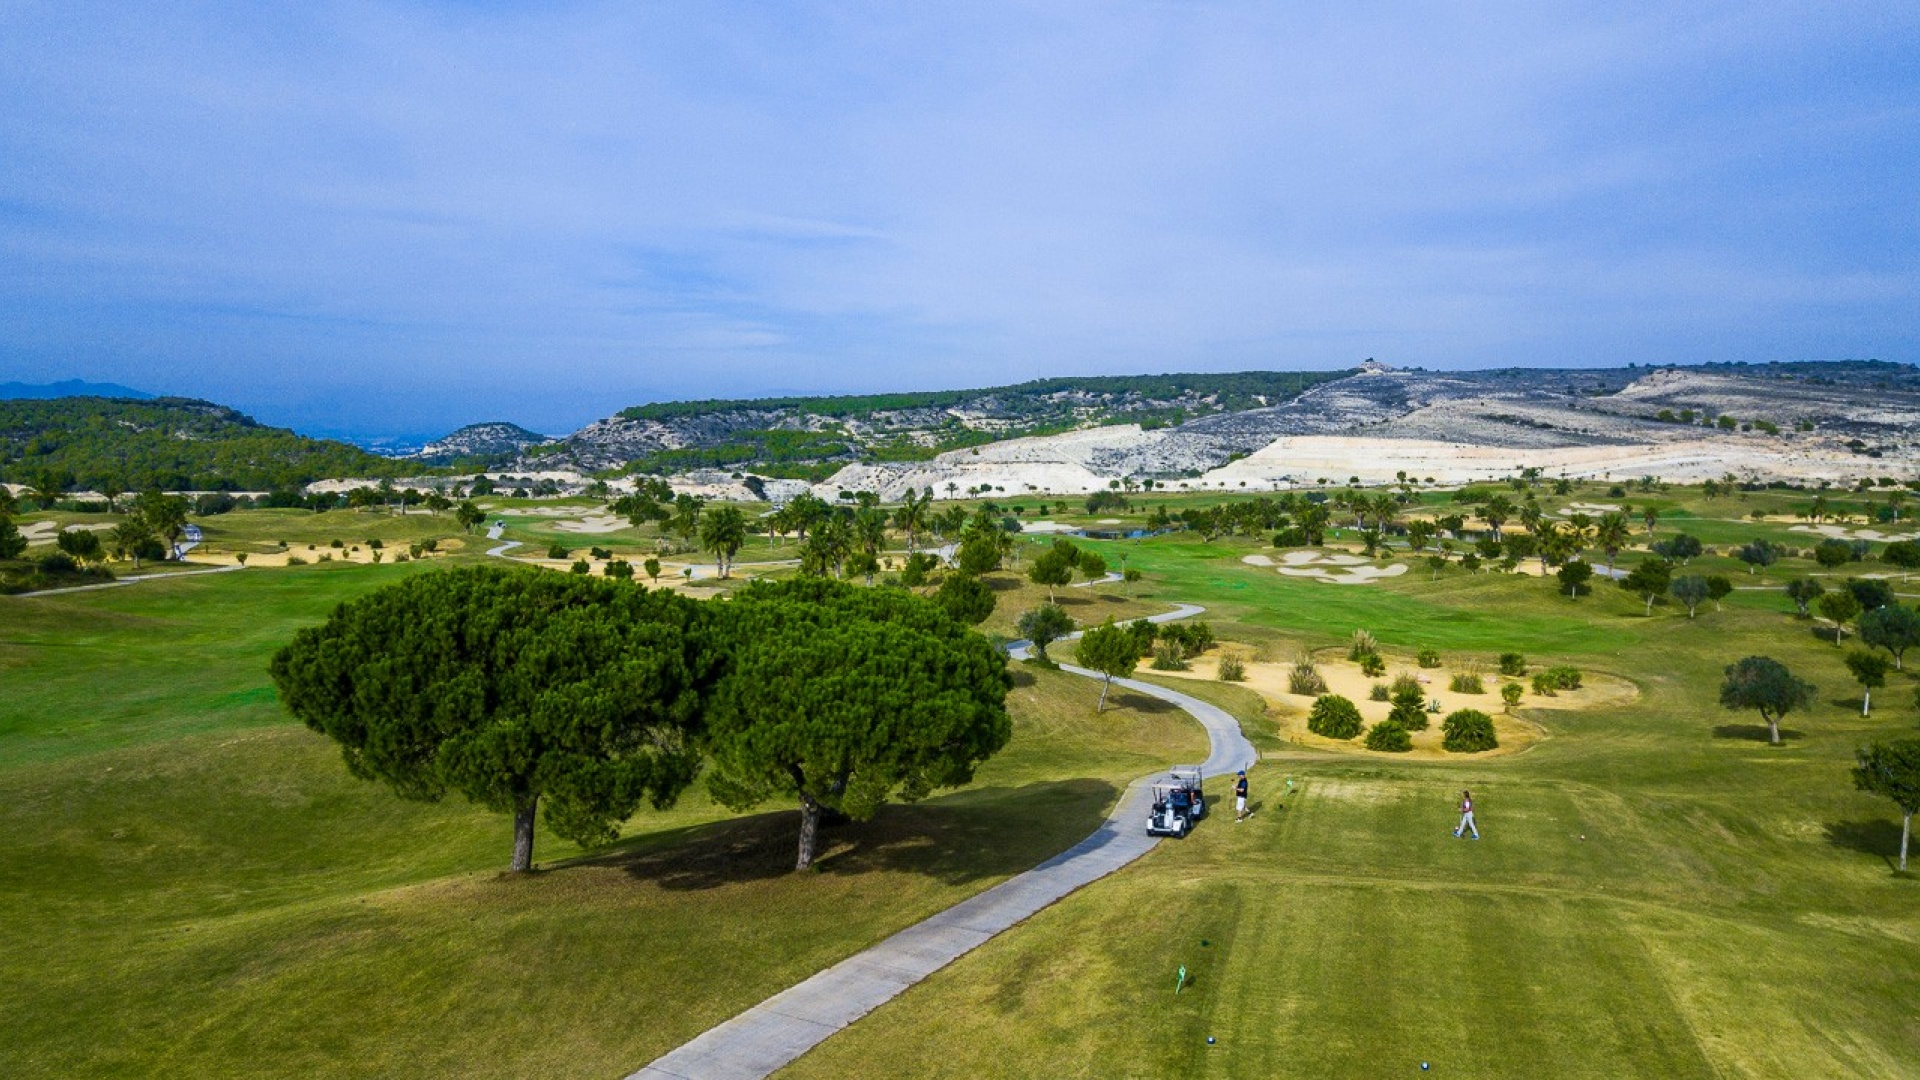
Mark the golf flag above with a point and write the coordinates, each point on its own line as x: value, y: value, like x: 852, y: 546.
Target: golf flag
x: 1182, y: 980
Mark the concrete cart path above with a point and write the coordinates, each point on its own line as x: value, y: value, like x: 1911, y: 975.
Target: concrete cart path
x: 493, y: 533
x: 136, y: 579
x: 775, y: 1032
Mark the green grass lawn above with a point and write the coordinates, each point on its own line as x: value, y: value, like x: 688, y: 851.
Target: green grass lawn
x: 1731, y: 911
x: 194, y: 886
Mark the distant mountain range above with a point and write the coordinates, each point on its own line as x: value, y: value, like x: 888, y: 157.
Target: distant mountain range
x: 70, y: 388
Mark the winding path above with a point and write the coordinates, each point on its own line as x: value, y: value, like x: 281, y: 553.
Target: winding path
x: 493, y: 533
x: 773, y: 1033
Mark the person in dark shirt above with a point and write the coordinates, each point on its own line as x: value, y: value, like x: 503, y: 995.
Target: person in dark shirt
x: 1240, y: 797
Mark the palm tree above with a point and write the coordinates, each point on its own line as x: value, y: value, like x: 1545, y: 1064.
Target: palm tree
x: 1612, y: 534
x: 1496, y: 511
x: 722, y: 532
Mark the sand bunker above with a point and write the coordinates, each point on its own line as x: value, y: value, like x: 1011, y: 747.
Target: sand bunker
x: 45, y: 532
x: 1841, y: 532
x: 1047, y: 527
x: 1588, y: 508
x: 1338, y: 569
x: 592, y: 523
x: 1343, y: 677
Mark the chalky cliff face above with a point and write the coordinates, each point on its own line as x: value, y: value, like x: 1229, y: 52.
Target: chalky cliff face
x: 1814, y: 421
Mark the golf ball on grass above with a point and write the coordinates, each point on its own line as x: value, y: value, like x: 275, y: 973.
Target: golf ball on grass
x: 1209, y: 1040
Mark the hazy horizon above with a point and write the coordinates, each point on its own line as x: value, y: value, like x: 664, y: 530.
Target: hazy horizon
x: 386, y: 219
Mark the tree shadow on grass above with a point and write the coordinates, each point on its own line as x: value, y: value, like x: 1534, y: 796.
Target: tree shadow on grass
x: 959, y: 838
x: 1878, y: 836
x: 1756, y: 733
x: 1122, y: 698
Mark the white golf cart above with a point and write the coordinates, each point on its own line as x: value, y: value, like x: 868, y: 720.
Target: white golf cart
x: 1178, y: 802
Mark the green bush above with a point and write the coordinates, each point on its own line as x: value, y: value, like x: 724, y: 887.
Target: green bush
x: 1305, y: 679
x: 1467, y: 731
x: 558, y: 552
x: 581, y: 566
x: 1563, y: 677
x: 1379, y: 692
x: 1513, y: 664
x: 1510, y: 693
x: 1390, y: 737
x: 1406, y: 680
x: 1543, y: 684
x: 1334, y: 717
x: 295, y: 560
x: 1371, y: 665
x: 1363, y: 643
x: 1466, y: 682
x: 1429, y: 657
x: 1232, y: 669
x: 1168, y: 657
x: 1409, y: 708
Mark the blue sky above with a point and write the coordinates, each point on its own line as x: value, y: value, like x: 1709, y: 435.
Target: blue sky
x: 371, y: 218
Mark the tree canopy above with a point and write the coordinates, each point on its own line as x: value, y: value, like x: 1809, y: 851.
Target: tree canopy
x: 508, y: 687
x: 1895, y: 628
x: 844, y: 698
x: 1764, y: 684
x: 1892, y: 770
x: 1045, y: 625
x: 1111, y: 650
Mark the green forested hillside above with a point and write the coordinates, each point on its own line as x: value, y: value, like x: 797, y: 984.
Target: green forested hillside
x: 172, y: 443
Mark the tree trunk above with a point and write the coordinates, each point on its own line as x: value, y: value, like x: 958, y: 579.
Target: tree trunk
x: 1773, y: 730
x: 523, y: 836
x: 1866, y: 701
x: 1906, y: 827
x: 1105, y: 685
x: 809, y: 830
x: 1649, y: 605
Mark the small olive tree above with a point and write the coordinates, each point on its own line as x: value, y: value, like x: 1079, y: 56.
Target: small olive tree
x: 1765, y: 685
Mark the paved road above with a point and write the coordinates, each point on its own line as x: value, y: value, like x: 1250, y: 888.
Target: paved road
x: 117, y: 582
x: 493, y: 533
x: 781, y: 1028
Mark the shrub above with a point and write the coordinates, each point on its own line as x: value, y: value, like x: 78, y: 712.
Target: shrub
x: 402, y: 557
x: 558, y: 552
x: 1362, y: 645
x: 1407, y: 680
x: 1409, y: 708
x: 1305, y: 678
x: 1510, y: 693
x: 1513, y: 664
x: 325, y: 556
x: 1564, y: 678
x: 1334, y: 717
x: 1389, y: 737
x: 1467, y: 681
x: 375, y: 544
x: 1143, y: 634
x: 295, y: 560
x: 581, y: 566
x: 619, y: 568
x: 1543, y: 684
x: 1232, y: 669
x: 1371, y: 665
x: 1379, y: 692
x: 1168, y: 657
x: 336, y: 544
x: 600, y: 553
x: 1429, y: 657
x: 1467, y: 731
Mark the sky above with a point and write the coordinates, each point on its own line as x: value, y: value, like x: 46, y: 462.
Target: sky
x: 385, y: 219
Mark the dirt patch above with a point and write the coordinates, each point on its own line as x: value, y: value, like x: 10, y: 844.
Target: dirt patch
x: 1516, y: 733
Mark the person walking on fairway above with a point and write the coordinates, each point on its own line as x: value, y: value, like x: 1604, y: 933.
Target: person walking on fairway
x: 1240, y: 797
x: 1466, y: 816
